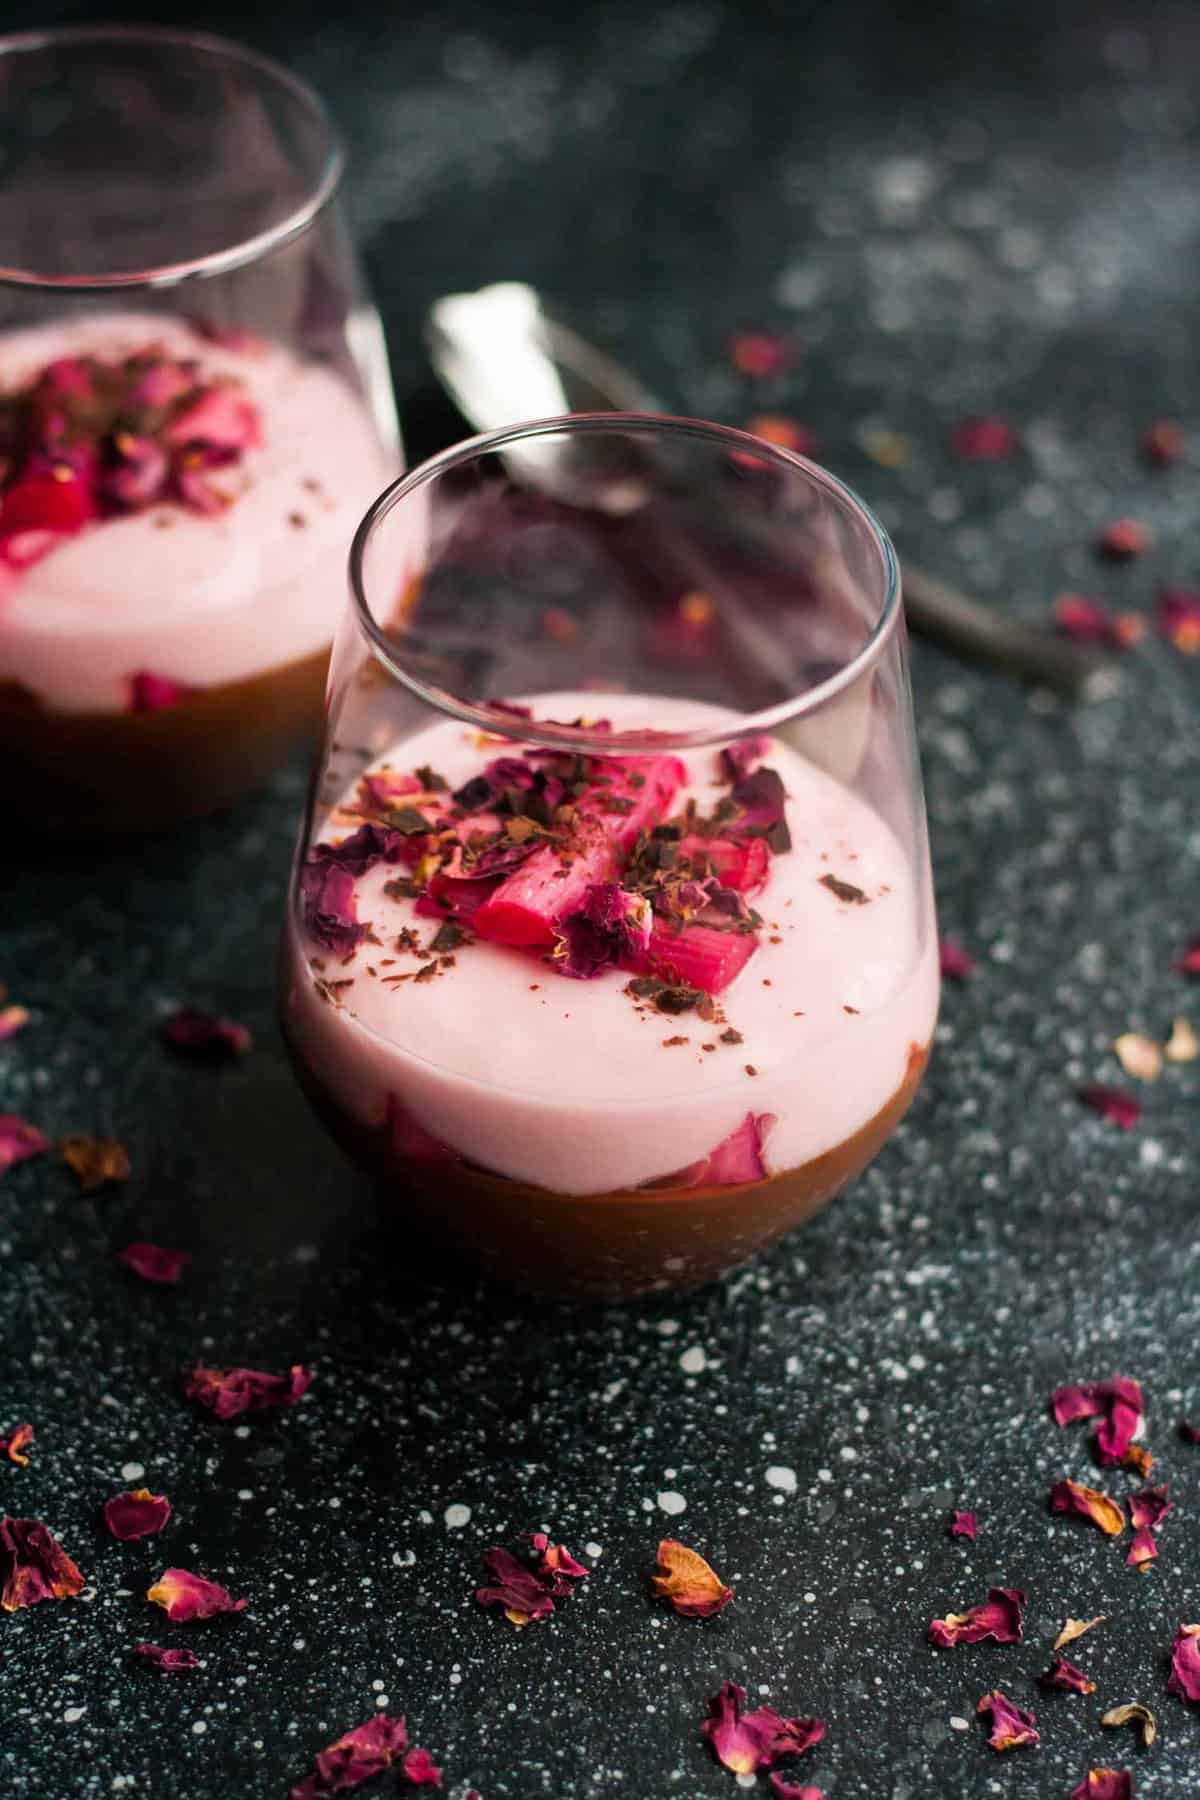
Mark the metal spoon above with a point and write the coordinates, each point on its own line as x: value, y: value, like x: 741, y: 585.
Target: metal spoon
x: 503, y: 359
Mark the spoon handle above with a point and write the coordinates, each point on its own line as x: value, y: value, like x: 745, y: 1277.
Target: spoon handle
x: 987, y: 635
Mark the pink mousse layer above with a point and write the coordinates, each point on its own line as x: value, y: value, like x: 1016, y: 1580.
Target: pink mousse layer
x: 567, y: 1084
x: 202, y: 600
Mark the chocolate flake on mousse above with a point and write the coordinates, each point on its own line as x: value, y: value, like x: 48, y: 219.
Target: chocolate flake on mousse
x: 844, y: 890
x: 670, y: 1043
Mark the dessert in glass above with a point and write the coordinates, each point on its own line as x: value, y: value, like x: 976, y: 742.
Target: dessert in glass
x: 194, y: 411
x: 610, y: 948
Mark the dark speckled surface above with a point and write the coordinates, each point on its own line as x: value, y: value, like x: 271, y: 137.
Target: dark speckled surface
x: 996, y: 211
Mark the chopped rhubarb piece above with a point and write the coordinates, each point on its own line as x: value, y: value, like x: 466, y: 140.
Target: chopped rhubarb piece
x: 408, y: 1138
x: 454, y: 896
x: 736, y: 1159
x: 740, y: 865
x: 698, y: 956
x: 651, y: 782
x: 526, y: 907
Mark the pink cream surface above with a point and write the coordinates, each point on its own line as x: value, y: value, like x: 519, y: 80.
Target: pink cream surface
x: 568, y: 1085
x: 200, y: 599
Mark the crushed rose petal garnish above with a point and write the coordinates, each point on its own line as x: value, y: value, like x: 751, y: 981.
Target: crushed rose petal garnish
x: 12, y: 1020
x: 95, y: 1161
x: 1112, y: 1103
x: 1064, y: 1674
x: 1147, y: 1511
x: 1089, y: 1503
x: 1104, y: 1784
x: 152, y: 1263
x: 1075, y: 1628
x: 1185, y: 1663
x: 746, y: 1742
x: 1011, y: 1727
x: 14, y: 1445
x: 136, y: 1515
x: 206, y: 1036
x: 963, y: 1525
x: 984, y: 438
x: 1183, y: 1045
x: 1163, y: 442
x: 956, y: 961
x: 694, y: 1589
x: 1117, y: 1402
x: 1139, y: 1055
x: 997, y: 1617
x: 355, y: 1757
x: 1133, y: 1713
x: 229, y: 1392
x: 527, y: 1594
x: 185, y: 1597
x: 1178, y: 618
x: 1090, y: 622
x: 759, y: 353
x: 1122, y: 539
x: 169, y: 1660
x: 33, y: 1565
x: 19, y: 1140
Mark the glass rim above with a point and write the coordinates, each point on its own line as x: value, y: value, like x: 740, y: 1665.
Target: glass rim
x: 574, y: 737
x: 214, y: 262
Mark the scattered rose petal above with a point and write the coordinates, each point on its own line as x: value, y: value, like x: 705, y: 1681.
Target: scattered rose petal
x: 203, y: 1035
x: 12, y: 1020
x: 136, y: 1515
x: 694, y: 1589
x: 1189, y: 961
x: 153, y: 1263
x: 16, y: 1443
x: 169, y: 1660
x: 1092, y: 623
x: 1011, y: 1727
x: 1064, y: 1674
x: 998, y: 1617
x: 1139, y: 1055
x: 783, y: 1789
x: 759, y: 353
x: 516, y: 1588
x: 1104, y: 1784
x: 358, y: 1756
x: 1178, y: 618
x: 95, y: 1161
x: 1118, y: 1402
x: 1185, y: 1663
x: 1147, y: 1511
x: 963, y: 1524
x: 1075, y: 1628
x: 228, y: 1392
x: 984, y: 438
x: 1188, y: 1432
x: 1163, y: 442
x: 33, y: 1565
x: 746, y: 1742
x: 185, y: 1597
x: 777, y: 428
x: 957, y: 963
x: 1138, y: 1459
x: 19, y: 1140
x: 1112, y: 1103
x: 1123, y: 539
x: 558, y: 1570
x: 1183, y: 1045
x: 1134, y: 1714
x: 890, y: 449
x: 150, y: 693
x: 420, y: 1770
x: 1089, y: 1503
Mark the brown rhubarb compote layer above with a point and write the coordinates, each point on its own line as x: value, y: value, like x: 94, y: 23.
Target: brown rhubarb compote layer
x: 174, y: 511
x: 608, y: 1023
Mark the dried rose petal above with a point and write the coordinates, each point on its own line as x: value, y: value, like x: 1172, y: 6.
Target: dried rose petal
x: 759, y: 353
x: 1139, y: 1055
x: 1178, y: 618
x: 984, y: 438
x: 1134, y: 1713
x: 169, y: 1660
x: 19, y: 1140
x: 204, y: 1035
x: 998, y: 1617
x: 1163, y: 442
x: 1138, y: 1459
x: 1092, y: 623
x: 12, y: 1020
x: 1119, y: 1401
x: 747, y: 1742
x: 1122, y: 539
x: 150, y: 693
x: 1188, y: 1432
x: 1183, y: 1045
x: 1064, y: 1674
x: 1075, y: 1628
x: 153, y: 1263
x: 890, y: 449
x: 228, y: 1392
x: 963, y: 1524
x: 358, y: 1756
x: 1112, y: 1103
x: 956, y: 961
x: 1185, y: 1663
x: 94, y: 1161
x: 1189, y: 961
x: 14, y: 1445
x: 558, y: 1570
x: 783, y: 1789
x: 694, y: 1589
x: 420, y: 1770
x: 185, y: 1597
x: 136, y: 1515
x: 33, y: 1565
x: 1011, y: 1727
x: 1147, y: 1511
x: 520, y: 1591
x: 1104, y: 1784
x: 1089, y: 1503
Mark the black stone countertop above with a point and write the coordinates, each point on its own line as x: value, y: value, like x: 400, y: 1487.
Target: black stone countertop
x: 994, y: 211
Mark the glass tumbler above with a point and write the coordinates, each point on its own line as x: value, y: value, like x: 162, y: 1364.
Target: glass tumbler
x: 194, y: 410
x: 610, y: 947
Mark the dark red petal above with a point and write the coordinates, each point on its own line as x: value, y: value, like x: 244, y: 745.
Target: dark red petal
x: 955, y: 959
x: 1011, y: 1727
x: 1185, y: 1663
x: 150, y: 693
x: 963, y: 1524
x: 206, y: 1035
x: 33, y: 1565
x: 185, y: 1597
x: 153, y: 1263
x: 746, y: 1742
x: 1064, y: 1674
x: 1104, y: 1784
x: 759, y: 353
x: 19, y: 1140
x: 1112, y: 1103
x: 1123, y: 539
x: 1178, y: 618
x: 229, y: 1392
x: 998, y: 1617
x: 136, y: 1515
x: 419, y: 1769
x: 168, y: 1660
x: 984, y: 439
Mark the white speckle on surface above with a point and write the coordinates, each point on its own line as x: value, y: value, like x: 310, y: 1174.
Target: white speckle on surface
x: 241, y: 1431
x: 298, y: 1643
x: 671, y: 1502
x: 959, y: 1724
x: 381, y: 1700
x: 457, y: 1516
x: 132, y: 1471
x: 245, y: 1493
x: 782, y: 1478
x: 667, y: 1327
x: 593, y: 1550
x: 693, y: 1361
x: 199, y: 1727
x: 73, y: 1714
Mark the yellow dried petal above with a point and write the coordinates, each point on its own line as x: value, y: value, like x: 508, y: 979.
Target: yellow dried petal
x: 1075, y: 1628
x: 1134, y: 1714
x: 1183, y: 1045
x: 1139, y: 1055
x: 890, y: 449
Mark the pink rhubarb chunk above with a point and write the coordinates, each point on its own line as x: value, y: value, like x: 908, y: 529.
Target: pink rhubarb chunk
x: 740, y: 866
x: 651, y: 782
x: 455, y: 896
x: 698, y: 956
x: 528, y: 904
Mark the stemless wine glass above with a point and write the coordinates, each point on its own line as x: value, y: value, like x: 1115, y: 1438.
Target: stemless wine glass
x: 194, y: 410
x: 610, y: 946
